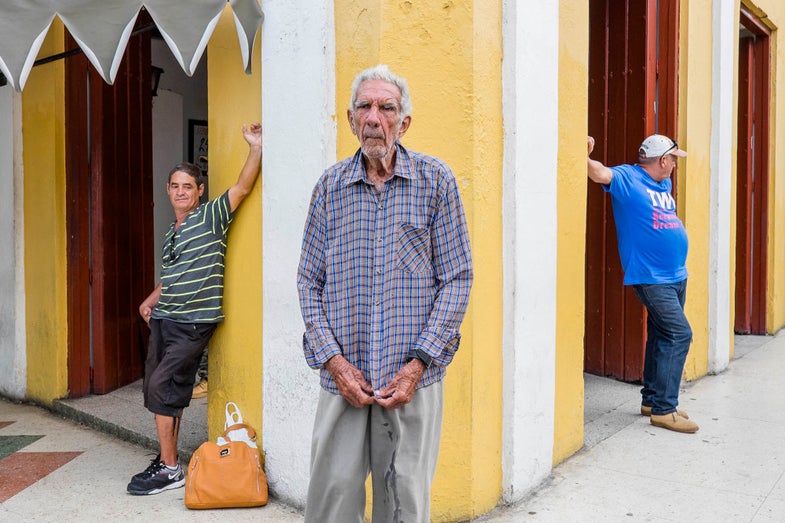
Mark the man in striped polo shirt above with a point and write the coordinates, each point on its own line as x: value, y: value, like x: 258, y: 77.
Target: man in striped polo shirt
x: 184, y: 309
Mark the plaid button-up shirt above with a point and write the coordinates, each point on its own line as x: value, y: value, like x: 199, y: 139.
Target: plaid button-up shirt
x: 384, y: 276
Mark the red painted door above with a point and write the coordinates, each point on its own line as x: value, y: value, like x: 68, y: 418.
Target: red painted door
x: 109, y: 218
x: 752, y: 176
x: 633, y: 57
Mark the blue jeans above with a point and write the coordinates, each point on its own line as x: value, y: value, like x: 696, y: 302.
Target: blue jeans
x: 667, y: 344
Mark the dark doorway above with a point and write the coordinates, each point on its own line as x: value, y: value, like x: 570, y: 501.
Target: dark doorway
x: 109, y: 218
x: 633, y: 81
x: 752, y: 175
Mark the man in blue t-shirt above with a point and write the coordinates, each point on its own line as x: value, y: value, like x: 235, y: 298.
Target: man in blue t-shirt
x: 653, y: 251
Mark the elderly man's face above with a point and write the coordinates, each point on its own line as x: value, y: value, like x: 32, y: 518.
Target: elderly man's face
x: 376, y: 118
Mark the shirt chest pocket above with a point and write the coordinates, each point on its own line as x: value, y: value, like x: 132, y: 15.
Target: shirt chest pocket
x: 413, y: 249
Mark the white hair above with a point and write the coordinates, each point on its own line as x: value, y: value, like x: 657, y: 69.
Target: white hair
x: 382, y: 72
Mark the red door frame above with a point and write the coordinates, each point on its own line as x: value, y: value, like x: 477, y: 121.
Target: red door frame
x: 109, y: 218
x: 77, y: 190
x: 630, y: 69
x: 752, y: 190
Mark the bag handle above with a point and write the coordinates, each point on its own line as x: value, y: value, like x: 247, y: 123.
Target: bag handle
x: 249, y: 429
x: 233, y: 415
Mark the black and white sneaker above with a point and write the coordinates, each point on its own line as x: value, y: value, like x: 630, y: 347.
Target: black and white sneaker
x: 146, y: 472
x: 156, y: 478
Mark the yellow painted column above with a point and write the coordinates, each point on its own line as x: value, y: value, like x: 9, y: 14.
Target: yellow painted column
x: 570, y: 278
x: 235, y: 351
x: 43, y: 142
x: 773, y: 14
x: 695, y: 77
x: 450, y: 54
x: 483, y: 174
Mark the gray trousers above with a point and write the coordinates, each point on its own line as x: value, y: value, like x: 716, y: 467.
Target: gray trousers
x: 397, y: 447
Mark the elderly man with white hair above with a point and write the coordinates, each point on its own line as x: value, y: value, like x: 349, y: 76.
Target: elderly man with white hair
x: 384, y: 279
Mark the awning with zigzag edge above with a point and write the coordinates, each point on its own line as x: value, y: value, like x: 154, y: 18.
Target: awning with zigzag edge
x: 102, y: 29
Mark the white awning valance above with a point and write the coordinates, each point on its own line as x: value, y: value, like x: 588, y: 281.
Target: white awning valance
x: 102, y: 29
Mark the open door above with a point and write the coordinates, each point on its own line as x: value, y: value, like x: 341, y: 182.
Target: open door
x: 109, y: 217
x: 633, y: 79
x: 752, y: 175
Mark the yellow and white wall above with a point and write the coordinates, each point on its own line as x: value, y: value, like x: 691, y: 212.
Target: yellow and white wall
x: 33, y: 350
x: 299, y: 125
x: 499, y: 92
x: 722, y: 154
x: 13, y: 361
x: 457, y: 98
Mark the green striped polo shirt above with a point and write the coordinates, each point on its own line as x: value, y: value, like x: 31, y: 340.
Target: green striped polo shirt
x: 192, y: 269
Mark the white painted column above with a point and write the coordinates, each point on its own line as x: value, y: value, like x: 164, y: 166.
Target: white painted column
x: 725, y: 34
x: 13, y: 355
x: 530, y: 98
x: 298, y: 120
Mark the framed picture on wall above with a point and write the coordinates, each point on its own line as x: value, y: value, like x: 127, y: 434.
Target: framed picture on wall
x: 197, y: 143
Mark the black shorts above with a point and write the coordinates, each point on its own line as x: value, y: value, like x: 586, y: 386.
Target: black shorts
x: 172, y: 360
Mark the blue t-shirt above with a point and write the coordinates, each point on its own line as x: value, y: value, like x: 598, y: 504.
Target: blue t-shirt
x: 652, y: 240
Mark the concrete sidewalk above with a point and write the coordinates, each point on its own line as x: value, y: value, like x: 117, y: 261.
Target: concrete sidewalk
x: 732, y: 470
x: 55, y: 469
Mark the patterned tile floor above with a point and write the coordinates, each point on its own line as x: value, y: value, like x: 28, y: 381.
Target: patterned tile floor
x: 20, y: 469
x: 56, y: 470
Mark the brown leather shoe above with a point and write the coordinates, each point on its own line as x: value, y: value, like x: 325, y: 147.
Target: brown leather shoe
x: 674, y: 422
x: 200, y: 389
x: 646, y: 411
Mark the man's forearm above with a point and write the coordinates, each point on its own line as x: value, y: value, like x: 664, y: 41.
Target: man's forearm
x: 251, y: 168
x: 598, y: 172
x: 154, y: 296
x: 146, y: 308
x: 438, y: 340
x: 248, y: 175
x: 250, y: 171
x: 319, y: 341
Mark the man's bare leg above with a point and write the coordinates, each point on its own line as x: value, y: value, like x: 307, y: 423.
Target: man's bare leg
x: 168, y: 428
x: 167, y: 473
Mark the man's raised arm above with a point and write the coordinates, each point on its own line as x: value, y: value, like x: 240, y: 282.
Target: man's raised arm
x: 596, y: 170
x: 250, y: 171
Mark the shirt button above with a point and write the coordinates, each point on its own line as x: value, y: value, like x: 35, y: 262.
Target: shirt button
x: 378, y: 271
x: 378, y: 240
x: 380, y: 207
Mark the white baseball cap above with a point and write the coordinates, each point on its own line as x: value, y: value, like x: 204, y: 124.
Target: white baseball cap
x: 658, y: 145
